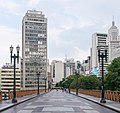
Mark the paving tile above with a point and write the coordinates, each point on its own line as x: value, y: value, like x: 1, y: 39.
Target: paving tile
x: 91, y: 111
x: 38, y: 109
x: 57, y: 109
x: 25, y: 111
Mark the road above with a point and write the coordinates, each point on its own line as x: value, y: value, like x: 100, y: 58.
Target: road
x: 58, y: 102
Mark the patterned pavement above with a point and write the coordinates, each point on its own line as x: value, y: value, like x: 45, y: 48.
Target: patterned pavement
x: 58, y: 102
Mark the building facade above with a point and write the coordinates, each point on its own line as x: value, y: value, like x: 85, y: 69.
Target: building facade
x: 57, y: 71
x: 99, y: 41
x: 34, y: 49
x: 114, y: 40
x: 69, y: 67
x: 86, y: 66
x: 7, y: 78
x: 116, y: 53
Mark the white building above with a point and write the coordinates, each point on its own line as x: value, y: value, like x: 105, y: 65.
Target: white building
x: 86, y: 66
x: 7, y: 78
x: 69, y: 67
x: 99, y: 41
x: 114, y: 41
x: 116, y: 53
x: 34, y: 49
x: 57, y: 71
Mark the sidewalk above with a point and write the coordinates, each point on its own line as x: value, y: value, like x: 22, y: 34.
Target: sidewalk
x: 6, y: 104
x: 109, y: 104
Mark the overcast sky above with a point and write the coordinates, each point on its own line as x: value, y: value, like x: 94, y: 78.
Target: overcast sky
x: 71, y: 24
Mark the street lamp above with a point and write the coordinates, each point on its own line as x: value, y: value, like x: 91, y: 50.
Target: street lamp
x: 14, y: 100
x: 76, y: 82
x: 38, y: 74
x: 102, y: 56
x: 69, y: 83
x: 77, y: 72
x: 45, y: 83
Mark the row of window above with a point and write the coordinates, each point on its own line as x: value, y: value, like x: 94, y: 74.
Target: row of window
x: 9, y: 82
x: 10, y: 78
x: 36, y: 24
x: 36, y: 19
x: 36, y: 39
x: 105, y: 35
x: 36, y: 27
x: 36, y: 31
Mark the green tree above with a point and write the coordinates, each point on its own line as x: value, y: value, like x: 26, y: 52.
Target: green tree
x: 112, y: 78
x: 89, y: 82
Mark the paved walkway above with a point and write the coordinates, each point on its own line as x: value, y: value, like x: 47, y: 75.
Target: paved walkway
x: 6, y: 104
x: 57, y: 102
x: 109, y: 104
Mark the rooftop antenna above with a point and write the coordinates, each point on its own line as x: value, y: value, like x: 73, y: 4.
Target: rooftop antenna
x: 113, y: 22
x: 65, y: 57
x: 113, y: 18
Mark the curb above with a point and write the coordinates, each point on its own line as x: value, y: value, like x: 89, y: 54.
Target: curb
x: 107, y: 106
x: 24, y: 100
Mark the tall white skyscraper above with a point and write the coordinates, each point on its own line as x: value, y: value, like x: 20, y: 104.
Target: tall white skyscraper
x: 99, y: 41
x: 34, y: 49
x: 113, y: 34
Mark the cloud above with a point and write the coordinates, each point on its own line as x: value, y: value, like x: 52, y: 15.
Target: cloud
x: 9, y: 36
x: 33, y: 2
x: 9, y: 6
x: 80, y: 54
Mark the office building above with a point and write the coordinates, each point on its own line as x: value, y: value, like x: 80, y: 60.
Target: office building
x: 86, y: 66
x: 69, y: 66
x: 57, y: 71
x: 99, y: 41
x: 7, y: 78
x: 34, y: 49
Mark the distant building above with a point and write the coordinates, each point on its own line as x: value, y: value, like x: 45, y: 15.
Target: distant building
x: 7, y: 77
x: 86, y: 66
x: 99, y: 41
x: 115, y: 53
x: 114, y: 40
x: 49, y: 76
x: 57, y: 71
x: 69, y: 67
x: 34, y: 49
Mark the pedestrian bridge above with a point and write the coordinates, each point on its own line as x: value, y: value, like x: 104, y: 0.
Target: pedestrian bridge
x: 110, y: 95
x: 58, y: 102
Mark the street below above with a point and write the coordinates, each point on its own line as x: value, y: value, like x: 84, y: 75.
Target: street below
x: 58, y: 102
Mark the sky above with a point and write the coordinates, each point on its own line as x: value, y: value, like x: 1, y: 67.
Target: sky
x: 71, y: 24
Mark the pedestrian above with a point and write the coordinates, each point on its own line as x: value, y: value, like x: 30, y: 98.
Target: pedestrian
x: 5, y: 96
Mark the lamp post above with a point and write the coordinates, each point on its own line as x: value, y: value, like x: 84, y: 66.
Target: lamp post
x: 38, y: 74
x: 77, y: 72
x: 45, y: 83
x: 102, y: 56
x: 69, y: 83
x: 14, y: 100
x: 76, y: 82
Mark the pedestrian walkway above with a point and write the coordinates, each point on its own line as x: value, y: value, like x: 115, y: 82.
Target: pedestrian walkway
x: 109, y: 104
x: 6, y: 104
x: 57, y: 102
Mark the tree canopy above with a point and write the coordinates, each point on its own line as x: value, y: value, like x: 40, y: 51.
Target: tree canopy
x: 112, y: 78
x: 84, y: 82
